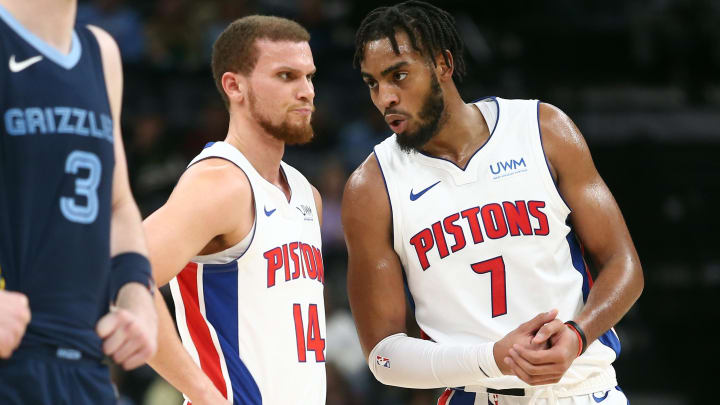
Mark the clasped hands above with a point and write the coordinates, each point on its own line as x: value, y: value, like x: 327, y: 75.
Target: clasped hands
x: 539, y: 351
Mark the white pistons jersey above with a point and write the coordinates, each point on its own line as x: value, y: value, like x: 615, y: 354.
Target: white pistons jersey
x: 488, y: 247
x: 252, y: 317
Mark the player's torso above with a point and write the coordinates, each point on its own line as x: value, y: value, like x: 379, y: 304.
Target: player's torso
x: 56, y: 159
x: 265, y: 308
x: 488, y: 247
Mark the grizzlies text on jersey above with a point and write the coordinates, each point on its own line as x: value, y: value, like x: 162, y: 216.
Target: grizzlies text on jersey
x: 56, y: 170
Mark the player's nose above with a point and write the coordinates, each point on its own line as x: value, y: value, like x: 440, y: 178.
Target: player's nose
x: 388, y: 97
x: 306, y: 90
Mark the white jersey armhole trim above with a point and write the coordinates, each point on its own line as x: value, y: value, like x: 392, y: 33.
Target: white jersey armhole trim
x: 549, y: 181
x: 394, y: 214
x: 238, y: 250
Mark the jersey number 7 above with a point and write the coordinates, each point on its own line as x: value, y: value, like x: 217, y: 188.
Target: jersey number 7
x: 496, y: 268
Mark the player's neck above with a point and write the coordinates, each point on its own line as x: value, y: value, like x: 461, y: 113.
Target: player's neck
x: 50, y: 20
x: 260, y: 148
x: 463, y: 131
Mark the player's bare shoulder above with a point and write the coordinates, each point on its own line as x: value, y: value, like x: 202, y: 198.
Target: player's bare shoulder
x: 365, y: 188
x: 218, y: 191
x: 562, y: 141
x: 366, y: 205
x: 112, y: 66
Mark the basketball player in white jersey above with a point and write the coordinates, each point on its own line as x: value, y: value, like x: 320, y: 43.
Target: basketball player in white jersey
x: 239, y: 237
x: 476, y: 207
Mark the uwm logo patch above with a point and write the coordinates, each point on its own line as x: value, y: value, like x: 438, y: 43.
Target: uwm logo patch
x: 501, y: 169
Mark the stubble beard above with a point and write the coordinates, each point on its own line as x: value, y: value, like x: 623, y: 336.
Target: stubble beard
x: 430, y: 114
x: 285, y: 131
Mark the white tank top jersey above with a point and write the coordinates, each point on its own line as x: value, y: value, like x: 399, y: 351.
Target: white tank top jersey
x: 252, y: 317
x: 488, y: 247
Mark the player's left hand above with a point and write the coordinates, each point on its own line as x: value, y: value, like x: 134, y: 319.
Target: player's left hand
x: 549, y: 364
x: 129, y: 330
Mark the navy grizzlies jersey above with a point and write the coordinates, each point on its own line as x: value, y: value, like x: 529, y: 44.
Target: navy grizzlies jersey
x: 56, y: 170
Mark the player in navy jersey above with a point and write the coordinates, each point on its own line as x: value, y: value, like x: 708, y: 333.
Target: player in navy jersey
x: 74, y: 278
x: 477, y: 209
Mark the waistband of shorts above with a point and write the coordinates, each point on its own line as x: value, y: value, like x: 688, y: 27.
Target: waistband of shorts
x: 600, y: 382
x: 54, y: 353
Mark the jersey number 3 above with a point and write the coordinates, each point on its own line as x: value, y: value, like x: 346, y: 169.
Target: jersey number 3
x: 496, y: 268
x: 84, y: 187
x: 315, y: 342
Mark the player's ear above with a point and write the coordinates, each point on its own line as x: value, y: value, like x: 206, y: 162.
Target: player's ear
x: 235, y: 87
x: 444, y: 68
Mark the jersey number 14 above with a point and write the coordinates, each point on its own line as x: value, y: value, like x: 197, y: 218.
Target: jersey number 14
x: 314, y: 342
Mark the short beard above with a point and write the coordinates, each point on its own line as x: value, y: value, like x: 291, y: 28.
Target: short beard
x: 290, y: 134
x: 430, y: 114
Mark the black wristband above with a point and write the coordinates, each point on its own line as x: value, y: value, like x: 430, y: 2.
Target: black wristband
x: 580, y: 332
x: 129, y: 267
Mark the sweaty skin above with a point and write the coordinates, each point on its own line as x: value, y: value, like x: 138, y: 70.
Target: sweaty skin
x: 397, y: 83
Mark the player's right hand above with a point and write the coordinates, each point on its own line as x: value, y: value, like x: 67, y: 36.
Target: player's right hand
x: 14, y: 318
x: 523, y: 336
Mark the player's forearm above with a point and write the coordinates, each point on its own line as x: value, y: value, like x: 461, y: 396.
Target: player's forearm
x: 618, y: 286
x: 173, y: 362
x: 126, y: 232
x: 403, y: 361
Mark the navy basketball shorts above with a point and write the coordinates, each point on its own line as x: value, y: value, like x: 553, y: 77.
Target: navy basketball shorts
x: 39, y: 377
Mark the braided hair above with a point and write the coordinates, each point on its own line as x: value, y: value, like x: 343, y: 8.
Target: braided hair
x: 430, y: 29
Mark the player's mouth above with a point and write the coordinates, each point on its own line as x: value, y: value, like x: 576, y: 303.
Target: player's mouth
x: 397, y: 122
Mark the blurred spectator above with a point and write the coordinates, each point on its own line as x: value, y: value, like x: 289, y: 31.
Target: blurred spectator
x: 121, y: 21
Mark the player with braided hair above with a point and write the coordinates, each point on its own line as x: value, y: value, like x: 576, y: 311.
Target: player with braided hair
x: 479, y: 210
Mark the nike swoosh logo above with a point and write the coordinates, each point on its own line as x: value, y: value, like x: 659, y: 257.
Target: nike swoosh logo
x: 414, y: 197
x: 268, y: 213
x: 19, y: 66
x: 598, y: 400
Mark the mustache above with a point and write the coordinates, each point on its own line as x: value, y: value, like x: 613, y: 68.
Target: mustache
x: 394, y: 111
x: 310, y: 106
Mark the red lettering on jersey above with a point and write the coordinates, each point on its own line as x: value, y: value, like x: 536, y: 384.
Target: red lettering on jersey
x: 517, y: 218
x: 534, y: 208
x: 274, y: 262
x: 455, y: 230
x: 286, y: 260
x: 494, y: 221
x: 440, y: 240
x: 471, y: 215
x: 423, y: 241
x: 309, y: 261
x: 296, y: 260
x: 319, y: 264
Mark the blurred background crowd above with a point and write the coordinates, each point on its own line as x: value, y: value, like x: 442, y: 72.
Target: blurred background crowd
x: 639, y: 78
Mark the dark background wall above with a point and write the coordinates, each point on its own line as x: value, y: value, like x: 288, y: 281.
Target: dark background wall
x: 639, y: 78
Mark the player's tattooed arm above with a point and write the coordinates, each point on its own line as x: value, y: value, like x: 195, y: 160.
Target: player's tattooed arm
x: 601, y: 228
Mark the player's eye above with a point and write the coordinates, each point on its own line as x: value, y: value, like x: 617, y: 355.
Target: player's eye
x: 371, y: 83
x: 284, y: 75
x: 398, y: 76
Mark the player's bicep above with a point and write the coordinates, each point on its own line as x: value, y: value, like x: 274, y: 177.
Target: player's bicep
x: 112, y: 72
x: 204, y: 205
x: 375, y: 283
x: 595, y: 216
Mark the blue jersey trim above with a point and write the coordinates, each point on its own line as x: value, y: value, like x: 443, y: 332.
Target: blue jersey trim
x: 608, y: 338
x: 221, y: 297
x: 66, y: 61
x: 493, y: 98
x: 462, y: 398
x: 578, y: 263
